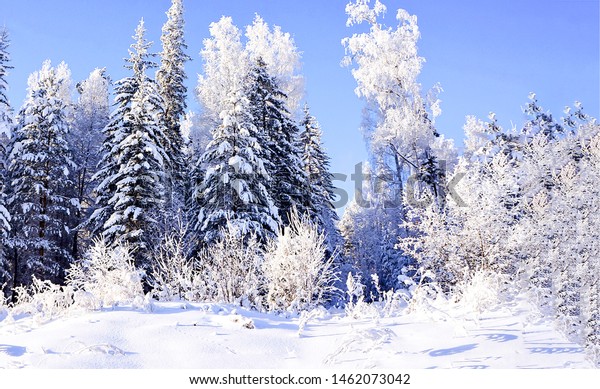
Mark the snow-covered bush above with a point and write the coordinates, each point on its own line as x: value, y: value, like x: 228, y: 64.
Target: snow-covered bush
x: 43, y: 299
x: 106, y: 277
x: 174, y: 273
x: 231, y: 269
x: 299, y: 275
x: 483, y: 291
x: 3, y: 310
x: 356, y: 306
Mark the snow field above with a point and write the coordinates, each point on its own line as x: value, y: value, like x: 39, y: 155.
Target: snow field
x: 213, y: 336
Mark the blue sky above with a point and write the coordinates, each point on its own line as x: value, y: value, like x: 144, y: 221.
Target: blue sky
x: 487, y: 55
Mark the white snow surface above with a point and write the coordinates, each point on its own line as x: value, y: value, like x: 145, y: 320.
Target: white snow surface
x: 208, y: 336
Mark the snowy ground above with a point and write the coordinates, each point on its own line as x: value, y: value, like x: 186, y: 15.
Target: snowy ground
x: 208, y: 336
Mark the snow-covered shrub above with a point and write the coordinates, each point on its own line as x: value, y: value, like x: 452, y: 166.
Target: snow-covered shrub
x: 317, y: 313
x: 174, y: 273
x: 106, y: 277
x: 357, y: 307
x: 231, y: 269
x: 423, y: 294
x: 483, y: 291
x: 299, y: 275
x: 3, y: 311
x: 43, y: 299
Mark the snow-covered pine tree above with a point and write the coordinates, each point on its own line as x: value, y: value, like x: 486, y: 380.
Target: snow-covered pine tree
x: 170, y: 78
x: 319, y: 191
x: 231, y: 176
x: 278, y: 135
x: 132, y: 167
x: 85, y: 142
x: 40, y: 164
x: 5, y: 131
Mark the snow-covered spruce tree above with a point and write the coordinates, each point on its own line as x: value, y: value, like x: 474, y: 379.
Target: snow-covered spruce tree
x: 298, y: 273
x: 5, y: 133
x: 85, y: 142
x: 319, y: 191
x: 234, y: 188
x: 130, y: 188
x: 40, y: 164
x: 170, y: 78
x: 139, y: 194
x: 278, y: 135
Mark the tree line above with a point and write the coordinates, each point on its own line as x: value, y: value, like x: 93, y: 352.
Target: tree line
x: 130, y: 174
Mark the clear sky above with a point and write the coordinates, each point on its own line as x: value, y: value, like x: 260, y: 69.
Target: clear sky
x: 487, y: 55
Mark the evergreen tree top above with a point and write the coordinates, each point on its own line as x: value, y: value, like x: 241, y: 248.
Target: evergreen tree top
x: 139, y: 57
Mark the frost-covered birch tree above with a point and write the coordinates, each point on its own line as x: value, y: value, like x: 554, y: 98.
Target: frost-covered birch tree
x: 85, y: 142
x: 398, y: 127
x: 399, y: 122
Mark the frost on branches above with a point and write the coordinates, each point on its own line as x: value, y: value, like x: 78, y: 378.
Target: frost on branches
x: 281, y: 57
x: 106, y: 277
x: 299, y: 274
x: 529, y: 220
x: 406, y: 165
x: 231, y: 268
x: 399, y: 120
